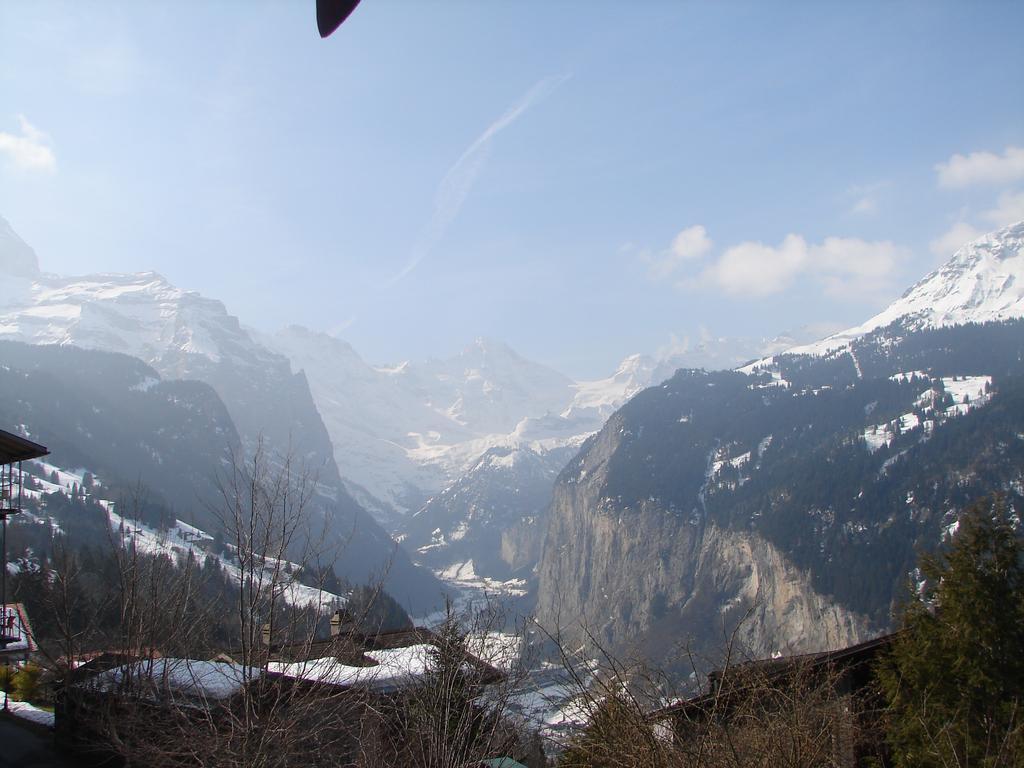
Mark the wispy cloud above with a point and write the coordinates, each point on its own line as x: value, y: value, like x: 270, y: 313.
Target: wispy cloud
x: 339, y: 328
x: 866, y: 198
x: 982, y: 168
x: 459, y: 180
x: 31, y: 150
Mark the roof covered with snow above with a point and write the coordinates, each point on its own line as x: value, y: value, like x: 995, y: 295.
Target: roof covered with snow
x: 177, y: 678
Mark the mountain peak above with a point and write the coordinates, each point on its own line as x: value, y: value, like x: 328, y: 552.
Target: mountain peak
x: 982, y: 282
x: 17, y: 258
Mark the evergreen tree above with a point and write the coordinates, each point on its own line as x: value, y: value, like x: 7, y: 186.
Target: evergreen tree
x: 955, y: 677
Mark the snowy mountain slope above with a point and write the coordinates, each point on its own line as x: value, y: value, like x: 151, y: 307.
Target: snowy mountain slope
x: 982, y: 282
x: 177, y: 540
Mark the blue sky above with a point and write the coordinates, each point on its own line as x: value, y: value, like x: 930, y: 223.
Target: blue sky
x: 582, y: 180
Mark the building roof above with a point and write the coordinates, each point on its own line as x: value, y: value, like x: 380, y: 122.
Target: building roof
x: 177, y: 678
x: 16, y: 448
x: 383, y: 661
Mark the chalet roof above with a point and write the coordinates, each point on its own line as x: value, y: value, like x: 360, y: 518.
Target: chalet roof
x: 380, y: 660
x: 188, y: 678
x: 16, y: 448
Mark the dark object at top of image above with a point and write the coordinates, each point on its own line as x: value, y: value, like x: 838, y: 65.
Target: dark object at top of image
x: 331, y: 13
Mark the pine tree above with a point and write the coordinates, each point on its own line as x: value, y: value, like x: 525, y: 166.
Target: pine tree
x: 955, y: 677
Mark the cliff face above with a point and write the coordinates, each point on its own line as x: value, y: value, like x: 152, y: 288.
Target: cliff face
x: 647, y: 576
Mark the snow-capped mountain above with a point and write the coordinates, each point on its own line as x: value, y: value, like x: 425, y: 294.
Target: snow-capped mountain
x: 404, y: 432
x: 982, y: 282
x: 179, y: 332
x: 183, y: 335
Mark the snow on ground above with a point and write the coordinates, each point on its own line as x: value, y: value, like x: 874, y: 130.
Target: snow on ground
x: 908, y: 376
x: 971, y: 387
x: 958, y: 387
x: 26, y: 711
x: 473, y: 595
x: 736, y: 462
x: 876, y: 437
x: 550, y: 700
x: 459, y: 572
x: 66, y: 479
x: 176, y: 542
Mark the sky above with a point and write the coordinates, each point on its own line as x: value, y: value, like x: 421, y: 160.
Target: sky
x: 581, y: 180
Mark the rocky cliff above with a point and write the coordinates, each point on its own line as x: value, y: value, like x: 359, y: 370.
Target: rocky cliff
x: 650, y: 576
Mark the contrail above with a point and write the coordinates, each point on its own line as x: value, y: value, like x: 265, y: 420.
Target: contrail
x: 459, y: 180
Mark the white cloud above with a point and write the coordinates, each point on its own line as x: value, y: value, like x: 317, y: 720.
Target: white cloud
x: 950, y: 240
x: 459, y: 180
x: 982, y: 168
x: 690, y: 244
x: 844, y: 267
x: 756, y: 269
x: 31, y: 150
x: 1009, y: 209
x: 857, y: 258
